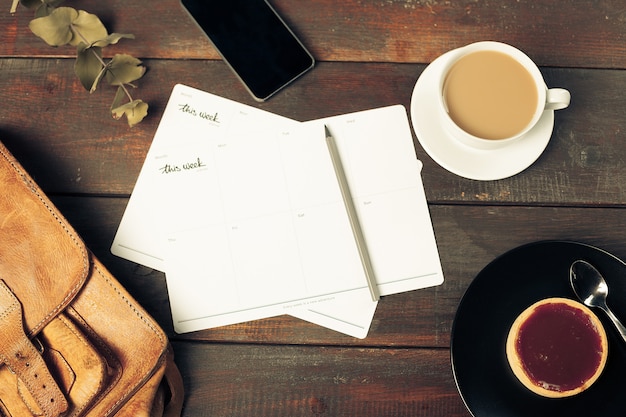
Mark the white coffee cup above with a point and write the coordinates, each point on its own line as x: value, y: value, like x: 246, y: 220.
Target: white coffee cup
x: 499, y: 104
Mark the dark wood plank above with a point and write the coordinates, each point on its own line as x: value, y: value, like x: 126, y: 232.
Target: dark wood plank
x: 50, y: 121
x: 468, y: 237
x: 551, y: 32
x: 270, y: 381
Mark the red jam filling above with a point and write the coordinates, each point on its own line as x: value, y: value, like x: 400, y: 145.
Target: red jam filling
x: 559, y: 347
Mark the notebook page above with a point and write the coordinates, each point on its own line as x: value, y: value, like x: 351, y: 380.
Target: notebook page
x: 277, y: 237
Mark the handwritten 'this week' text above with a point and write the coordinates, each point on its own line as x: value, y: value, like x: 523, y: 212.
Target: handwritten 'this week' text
x: 197, y: 164
x: 187, y: 109
x: 170, y: 169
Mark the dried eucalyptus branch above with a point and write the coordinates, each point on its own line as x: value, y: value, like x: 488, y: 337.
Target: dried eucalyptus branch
x: 59, y: 26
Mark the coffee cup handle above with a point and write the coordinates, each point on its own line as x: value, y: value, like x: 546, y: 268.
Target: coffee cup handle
x: 557, y: 98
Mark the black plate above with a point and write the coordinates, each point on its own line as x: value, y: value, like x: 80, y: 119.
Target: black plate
x: 498, y: 294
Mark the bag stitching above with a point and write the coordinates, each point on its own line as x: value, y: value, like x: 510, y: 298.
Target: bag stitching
x: 150, y: 325
x: 85, y: 257
x: 77, y: 242
x: 137, y: 312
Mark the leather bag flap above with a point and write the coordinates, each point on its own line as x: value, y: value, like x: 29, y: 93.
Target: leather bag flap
x: 42, y: 259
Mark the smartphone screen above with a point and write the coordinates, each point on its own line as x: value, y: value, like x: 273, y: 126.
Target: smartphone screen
x: 254, y: 41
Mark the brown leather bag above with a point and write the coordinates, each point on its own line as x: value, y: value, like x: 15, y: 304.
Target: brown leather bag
x: 73, y: 342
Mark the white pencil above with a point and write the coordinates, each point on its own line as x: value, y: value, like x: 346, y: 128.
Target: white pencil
x: 354, y: 220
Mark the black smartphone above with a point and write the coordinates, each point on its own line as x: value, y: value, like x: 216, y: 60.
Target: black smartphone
x: 253, y: 41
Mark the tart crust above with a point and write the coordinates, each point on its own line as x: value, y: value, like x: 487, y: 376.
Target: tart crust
x: 515, y: 361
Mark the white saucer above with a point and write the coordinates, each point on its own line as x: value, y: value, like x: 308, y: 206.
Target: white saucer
x: 493, y: 164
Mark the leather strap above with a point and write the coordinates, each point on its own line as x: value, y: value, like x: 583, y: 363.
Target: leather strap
x: 22, y: 358
x: 175, y: 383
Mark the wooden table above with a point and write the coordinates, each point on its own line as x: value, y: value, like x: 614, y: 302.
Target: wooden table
x: 370, y: 54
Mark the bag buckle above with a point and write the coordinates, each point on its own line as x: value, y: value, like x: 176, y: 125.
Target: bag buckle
x: 23, y: 357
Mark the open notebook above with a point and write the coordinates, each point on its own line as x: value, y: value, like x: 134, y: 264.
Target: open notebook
x: 242, y: 210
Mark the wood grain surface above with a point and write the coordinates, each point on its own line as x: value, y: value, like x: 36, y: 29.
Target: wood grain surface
x: 583, y: 164
x: 369, y: 54
x: 575, y: 33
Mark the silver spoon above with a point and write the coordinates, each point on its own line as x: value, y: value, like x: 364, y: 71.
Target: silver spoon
x: 591, y: 288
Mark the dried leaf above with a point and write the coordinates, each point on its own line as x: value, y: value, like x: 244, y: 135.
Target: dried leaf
x: 134, y: 111
x: 88, y: 66
x: 112, y: 39
x: 65, y: 25
x: 99, y: 77
x: 119, y: 96
x: 55, y: 29
x: 87, y: 28
x: 124, y: 69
